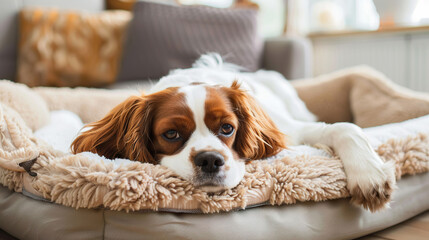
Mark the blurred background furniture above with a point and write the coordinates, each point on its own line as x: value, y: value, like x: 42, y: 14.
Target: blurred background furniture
x: 9, y: 10
x: 400, y: 53
x: 391, y: 36
x: 291, y: 56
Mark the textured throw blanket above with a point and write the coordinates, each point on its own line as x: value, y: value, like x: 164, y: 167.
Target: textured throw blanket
x: 43, y: 168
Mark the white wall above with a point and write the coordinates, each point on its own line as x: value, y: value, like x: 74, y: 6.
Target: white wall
x: 402, y: 56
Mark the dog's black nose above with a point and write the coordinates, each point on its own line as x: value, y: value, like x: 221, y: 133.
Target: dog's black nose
x: 210, y: 162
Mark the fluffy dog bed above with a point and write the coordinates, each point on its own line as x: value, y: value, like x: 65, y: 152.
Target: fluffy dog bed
x: 34, y: 162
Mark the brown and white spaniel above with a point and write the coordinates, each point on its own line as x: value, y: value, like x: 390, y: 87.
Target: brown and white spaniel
x: 206, y: 122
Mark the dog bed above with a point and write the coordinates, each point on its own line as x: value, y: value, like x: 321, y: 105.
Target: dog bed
x: 116, y: 198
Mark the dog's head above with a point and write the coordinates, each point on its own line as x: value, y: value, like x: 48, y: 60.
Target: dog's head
x: 203, y: 133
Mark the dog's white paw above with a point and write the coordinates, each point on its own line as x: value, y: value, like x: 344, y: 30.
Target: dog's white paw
x: 373, y: 189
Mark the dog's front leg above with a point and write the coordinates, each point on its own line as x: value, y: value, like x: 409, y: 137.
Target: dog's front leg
x: 369, y: 179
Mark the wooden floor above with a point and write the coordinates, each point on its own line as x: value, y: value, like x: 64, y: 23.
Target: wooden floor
x: 416, y: 228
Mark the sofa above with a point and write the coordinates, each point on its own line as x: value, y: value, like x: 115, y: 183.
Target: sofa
x: 290, y: 56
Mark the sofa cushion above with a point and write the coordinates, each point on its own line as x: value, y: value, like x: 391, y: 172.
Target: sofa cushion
x: 162, y: 37
x: 9, y: 26
x: 70, y: 48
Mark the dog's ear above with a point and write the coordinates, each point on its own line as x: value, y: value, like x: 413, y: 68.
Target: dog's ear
x: 123, y: 133
x: 257, y: 136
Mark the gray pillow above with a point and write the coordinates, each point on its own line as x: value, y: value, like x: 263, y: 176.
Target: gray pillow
x: 163, y: 37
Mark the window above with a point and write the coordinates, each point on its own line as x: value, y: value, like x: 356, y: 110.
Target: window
x: 335, y: 15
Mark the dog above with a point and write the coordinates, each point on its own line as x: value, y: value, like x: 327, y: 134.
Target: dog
x: 206, y: 122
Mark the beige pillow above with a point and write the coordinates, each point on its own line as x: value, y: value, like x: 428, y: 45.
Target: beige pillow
x: 66, y: 48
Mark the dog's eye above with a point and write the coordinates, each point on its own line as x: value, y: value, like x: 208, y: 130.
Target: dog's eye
x: 226, y: 129
x: 171, y: 135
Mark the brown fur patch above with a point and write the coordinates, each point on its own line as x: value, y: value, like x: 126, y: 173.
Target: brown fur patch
x: 172, y: 113
x: 219, y: 111
x: 133, y: 129
x: 257, y: 137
